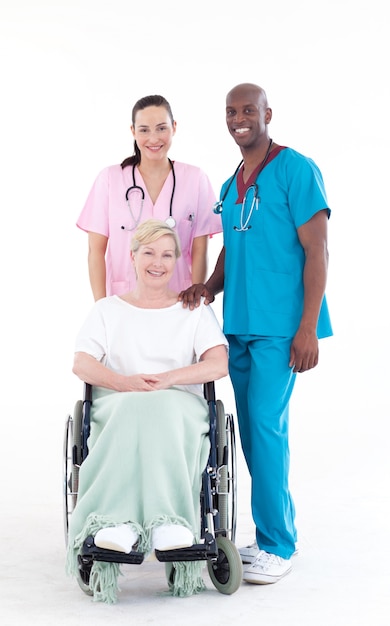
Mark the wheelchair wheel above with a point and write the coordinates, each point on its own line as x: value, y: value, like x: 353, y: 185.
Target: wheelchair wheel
x: 83, y: 579
x: 227, y: 489
x: 226, y: 571
x: 76, y: 450
x: 169, y: 574
x: 67, y: 473
x: 72, y: 460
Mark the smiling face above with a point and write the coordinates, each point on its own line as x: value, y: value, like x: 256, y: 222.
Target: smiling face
x: 247, y: 116
x: 153, y: 131
x: 154, y: 262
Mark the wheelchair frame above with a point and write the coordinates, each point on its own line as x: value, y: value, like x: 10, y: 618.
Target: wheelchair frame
x: 217, y: 499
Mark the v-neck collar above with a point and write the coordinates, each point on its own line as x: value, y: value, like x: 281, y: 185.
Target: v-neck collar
x: 242, y: 186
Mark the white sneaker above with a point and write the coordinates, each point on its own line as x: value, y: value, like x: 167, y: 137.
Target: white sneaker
x: 171, y: 536
x: 249, y: 553
x: 267, y: 568
x: 119, y: 538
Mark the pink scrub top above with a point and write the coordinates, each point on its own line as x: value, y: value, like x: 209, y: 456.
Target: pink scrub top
x: 107, y: 213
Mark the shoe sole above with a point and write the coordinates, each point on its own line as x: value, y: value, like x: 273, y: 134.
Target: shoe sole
x: 114, y: 547
x: 247, y: 560
x: 177, y: 546
x: 259, y: 579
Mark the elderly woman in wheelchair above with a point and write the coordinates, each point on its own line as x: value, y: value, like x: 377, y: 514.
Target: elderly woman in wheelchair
x: 146, y: 359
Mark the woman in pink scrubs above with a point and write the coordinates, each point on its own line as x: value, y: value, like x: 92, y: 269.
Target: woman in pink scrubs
x: 148, y: 185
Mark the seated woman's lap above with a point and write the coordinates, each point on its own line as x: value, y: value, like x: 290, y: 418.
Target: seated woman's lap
x: 147, y: 452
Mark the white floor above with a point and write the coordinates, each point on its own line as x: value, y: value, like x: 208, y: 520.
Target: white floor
x: 339, y: 479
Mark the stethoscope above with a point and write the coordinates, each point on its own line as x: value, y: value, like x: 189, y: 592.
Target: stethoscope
x: 252, y: 189
x: 137, y: 189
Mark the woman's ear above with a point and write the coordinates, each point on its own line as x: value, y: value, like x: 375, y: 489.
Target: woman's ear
x: 132, y: 259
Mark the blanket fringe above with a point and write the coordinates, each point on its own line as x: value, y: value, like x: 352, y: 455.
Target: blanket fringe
x: 185, y: 579
x: 103, y: 582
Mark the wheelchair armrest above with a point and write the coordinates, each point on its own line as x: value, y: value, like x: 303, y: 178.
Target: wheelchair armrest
x: 86, y: 426
x: 209, y: 391
x: 87, y: 393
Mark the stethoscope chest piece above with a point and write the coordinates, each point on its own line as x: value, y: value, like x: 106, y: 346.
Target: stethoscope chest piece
x: 170, y: 221
x: 218, y: 206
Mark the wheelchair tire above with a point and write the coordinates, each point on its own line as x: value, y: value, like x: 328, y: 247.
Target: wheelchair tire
x: 169, y: 574
x: 67, y: 472
x: 227, y: 489
x: 226, y: 571
x: 76, y: 450
x: 83, y: 580
x: 72, y: 461
x: 223, y: 500
x: 232, y: 474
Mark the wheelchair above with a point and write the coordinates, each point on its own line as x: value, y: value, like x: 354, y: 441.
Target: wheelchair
x: 217, y: 500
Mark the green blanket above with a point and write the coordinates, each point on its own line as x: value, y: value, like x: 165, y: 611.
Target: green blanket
x: 147, y: 452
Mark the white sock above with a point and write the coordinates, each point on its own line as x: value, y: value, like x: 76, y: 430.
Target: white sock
x: 119, y: 538
x: 171, y: 536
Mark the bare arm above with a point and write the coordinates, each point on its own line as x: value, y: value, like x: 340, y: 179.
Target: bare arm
x: 97, y: 245
x: 313, y: 237
x: 212, y: 366
x: 199, y: 259
x: 91, y: 371
x: 191, y: 296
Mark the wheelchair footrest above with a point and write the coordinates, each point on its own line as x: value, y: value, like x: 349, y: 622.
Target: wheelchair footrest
x: 90, y: 552
x: 197, y: 552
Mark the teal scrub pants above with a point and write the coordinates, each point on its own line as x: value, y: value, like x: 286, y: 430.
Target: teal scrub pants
x: 263, y: 383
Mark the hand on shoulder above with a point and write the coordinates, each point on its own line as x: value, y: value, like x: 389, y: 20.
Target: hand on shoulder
x: 191, y: 296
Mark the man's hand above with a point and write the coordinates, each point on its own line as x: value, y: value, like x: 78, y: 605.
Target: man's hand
x: 304, y: 351
x: 191, y: 296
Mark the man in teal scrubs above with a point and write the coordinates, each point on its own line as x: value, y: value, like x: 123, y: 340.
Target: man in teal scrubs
x: 273, y: 270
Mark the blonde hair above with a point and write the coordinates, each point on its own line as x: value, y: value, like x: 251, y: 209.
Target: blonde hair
x: 151, y: 230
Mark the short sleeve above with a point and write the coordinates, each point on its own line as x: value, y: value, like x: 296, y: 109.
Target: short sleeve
x: 208, y: 333
x: 94, y: 216
x: 91, y: 337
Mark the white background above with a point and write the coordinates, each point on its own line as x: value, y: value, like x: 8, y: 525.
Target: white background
x: 70, y: 73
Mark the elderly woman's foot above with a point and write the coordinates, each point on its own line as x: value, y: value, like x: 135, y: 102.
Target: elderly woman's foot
x: 119, y: 538
x: 171, y: 536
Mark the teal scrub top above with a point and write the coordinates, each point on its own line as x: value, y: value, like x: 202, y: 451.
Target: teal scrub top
x: 263, y: 285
